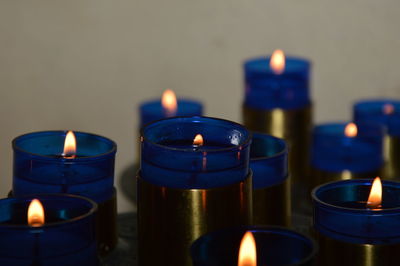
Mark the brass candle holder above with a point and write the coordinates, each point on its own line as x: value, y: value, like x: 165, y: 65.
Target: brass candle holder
x: 392, y: 158
x: 169, y: 220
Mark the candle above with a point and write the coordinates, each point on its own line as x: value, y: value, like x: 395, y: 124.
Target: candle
x: 277, y: 102
x: 358, y: 221
x: 345, y: 151
x: 47, y: 231
x: 252, y: 246
x: 75, y: 163
x: 168, y: 106
x: 271, y: 185
x: 385, y: 112
x: 194, y: 178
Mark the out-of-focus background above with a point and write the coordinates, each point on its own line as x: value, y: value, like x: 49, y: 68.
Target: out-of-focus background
x: 87, y: 64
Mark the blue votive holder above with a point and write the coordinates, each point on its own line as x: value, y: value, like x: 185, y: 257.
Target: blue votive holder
x: 350, y: 233
x: 194, y: 178
x: 66, y: 238
x: 387, y: 113
x: 40, y: 167
x: 275, y: 246
x: 271, y: 186
x: 336, y: 156
x: 265, y: 89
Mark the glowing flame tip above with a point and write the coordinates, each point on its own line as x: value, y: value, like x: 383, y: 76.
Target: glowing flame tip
x: 351, y: 130
x: 375, y: 196
x: 388, y: 109
x: 247, y: 251
x: 198, y: 140
x: 35, y: 213
x: 277, y: 62
x: 69, y: 145
x: 169, y: 102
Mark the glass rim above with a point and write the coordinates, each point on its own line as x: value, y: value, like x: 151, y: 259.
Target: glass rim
x: 245, y: 143
x: 282, y: 152
x: 360, y: 182
x: 91, y: 211
x: 178, y: 99
x: 50, y: 132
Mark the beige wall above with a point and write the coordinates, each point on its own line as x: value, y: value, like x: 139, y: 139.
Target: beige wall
x: 86, y: 64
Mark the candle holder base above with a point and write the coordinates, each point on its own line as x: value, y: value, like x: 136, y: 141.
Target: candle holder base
x: 106, y: 225
x: 170, y: 219
x: 294, y: 126
x: 272, y: 205
x: 335, y: 252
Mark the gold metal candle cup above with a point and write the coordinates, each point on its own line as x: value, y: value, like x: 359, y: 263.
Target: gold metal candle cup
x: 294, y: 126
x: 170, y: 219
x: 271, y: 205
x: 335, y: 252
x: 392, y: 158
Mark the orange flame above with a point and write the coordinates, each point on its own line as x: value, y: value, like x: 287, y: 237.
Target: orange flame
x: 375, y: 196
x: 277, y: 62
x: 247, y: 251
x: 351, y: 130
x: 35, y: 213
x: 388, y: 109
x: 198, y: 140
x: 69, y: 145
x: 169, y: 102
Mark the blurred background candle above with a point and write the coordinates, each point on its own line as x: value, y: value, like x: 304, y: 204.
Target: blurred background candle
x: 277, y: 102
x: 387, y: 113
x: 346, y: 151
x: 252, y: 246
x: 194, y: 178
x: 271, y: 185
x: 47, y: 231
x: 356, y: 222
x: 69, y: 162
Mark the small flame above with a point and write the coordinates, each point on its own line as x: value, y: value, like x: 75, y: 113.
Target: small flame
x: 169, y: 102
x: 35, y: 213
x: 351, y: 130
x: 198, y: 140
x: 375, y: 196
x: 388, y: 109
x: 69, y: 145
x: 277, y: 62
x: 247, y: 251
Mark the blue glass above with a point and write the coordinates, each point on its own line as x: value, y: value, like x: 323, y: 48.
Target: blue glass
x: 67, y: 237
x: 383, y: 111
x: 266, y: 90
x: 170, y: 159
x: 153, y: 110
x: 40, y: 168
x: 275, y: 246
x: 340, y: 212
x: 268, y: 160
x: 333, y: 151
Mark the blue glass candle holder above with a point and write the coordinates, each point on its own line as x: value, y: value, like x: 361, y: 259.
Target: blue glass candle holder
x: 153, y: 110
x: 344, y: 225
x: 274, y: 245
x: 170, y: 159
x: 334, y: 155
x: 266, y: 90
x: 39, y: 166
x: 67, y: 237
x: 271, y: 186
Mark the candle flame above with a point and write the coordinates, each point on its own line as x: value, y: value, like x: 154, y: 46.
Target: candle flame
x: 375, y: 196
x: 35, y: 213
x: 388, y: 109
x: 198, y: 140
x: 351, y: 130
x: 277, y: 62
x: 247, y: 251
x: 69, y: 145
x: 169, y: 102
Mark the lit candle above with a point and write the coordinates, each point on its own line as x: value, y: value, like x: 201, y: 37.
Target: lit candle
x: 48, y: 230
x: 194, y: 178
x: 252, y: 246
x: 387, y: 113
x: 345, y: 151
x: 357, y: 219
x: 69, y: 162
x: 277, y: 102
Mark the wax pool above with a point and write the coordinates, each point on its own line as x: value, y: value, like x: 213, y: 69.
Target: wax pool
x: 171, y: 159
x: 39, y: 166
